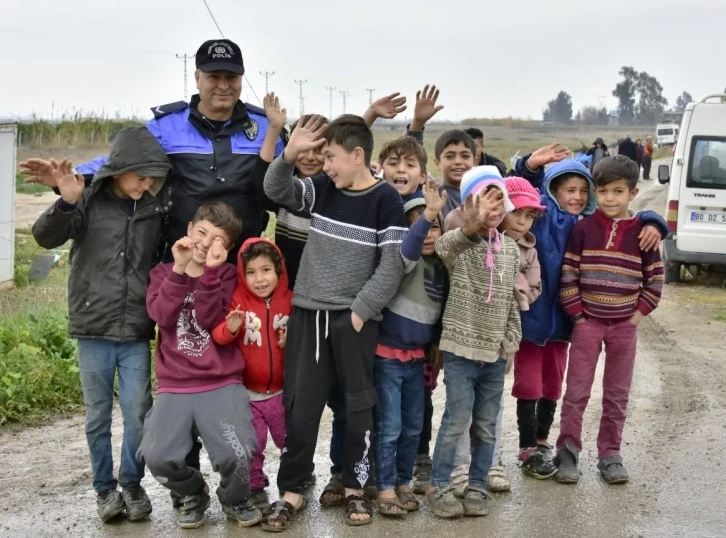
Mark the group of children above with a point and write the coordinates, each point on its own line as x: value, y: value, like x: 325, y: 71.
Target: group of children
x: 373, y: 284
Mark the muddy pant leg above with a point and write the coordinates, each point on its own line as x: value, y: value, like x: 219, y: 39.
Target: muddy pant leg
x: 224, y: 420
x: 354, y: 353
x: 463, y: 448
x: 587, y: 339
x: 257, y: 475
x: 166, y: 442
x: 620, y: 347
x: 497, y: 452
x: 134, y: 383
x: 309, y: 376
x: 487, y: 401
x: 97, y: 364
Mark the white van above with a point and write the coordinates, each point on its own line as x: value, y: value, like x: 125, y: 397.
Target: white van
x: 666, y: 134
x: 696, y: 210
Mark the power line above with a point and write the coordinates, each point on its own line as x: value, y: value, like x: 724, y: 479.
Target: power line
x: 302, y: 99
x: 267, y: 75
x: 344, y: 94
x: 222, y: 34
x: 330, y: 89
x: 185, y: 58
x: 370, y: 95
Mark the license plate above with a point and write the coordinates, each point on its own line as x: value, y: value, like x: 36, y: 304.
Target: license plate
x: 706, y: 216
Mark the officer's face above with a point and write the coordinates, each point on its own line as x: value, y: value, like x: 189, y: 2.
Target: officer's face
x: 219, y: 91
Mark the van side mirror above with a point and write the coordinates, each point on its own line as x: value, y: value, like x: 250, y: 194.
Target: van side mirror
x: 664, y: 174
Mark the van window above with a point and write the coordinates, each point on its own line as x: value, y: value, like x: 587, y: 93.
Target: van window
x: 665, y: 132
x: 707, y: 167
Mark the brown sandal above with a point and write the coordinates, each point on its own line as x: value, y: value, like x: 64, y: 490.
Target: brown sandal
x: 333, y: 487
x: 408, y: 500
x: 358, y: 504
x: 391, y: 506
x: 281, y: 511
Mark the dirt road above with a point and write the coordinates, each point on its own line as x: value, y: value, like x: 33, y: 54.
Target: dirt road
x: 673, y: 444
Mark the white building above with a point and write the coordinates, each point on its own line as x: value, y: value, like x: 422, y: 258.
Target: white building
x: 7, y: 201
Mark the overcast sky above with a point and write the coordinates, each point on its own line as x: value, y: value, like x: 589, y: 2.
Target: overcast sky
x: 490, y: 59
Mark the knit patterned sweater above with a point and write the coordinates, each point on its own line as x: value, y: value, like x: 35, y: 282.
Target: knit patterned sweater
x: 472, y: 327
x: 352, y: 258
x: 605, y: 274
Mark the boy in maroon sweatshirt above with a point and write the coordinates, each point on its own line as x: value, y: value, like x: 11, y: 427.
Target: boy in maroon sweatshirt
x: 200, y: 384
x: 609, y: 284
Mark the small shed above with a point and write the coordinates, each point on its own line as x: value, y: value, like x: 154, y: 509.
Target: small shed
x: 8, y: 154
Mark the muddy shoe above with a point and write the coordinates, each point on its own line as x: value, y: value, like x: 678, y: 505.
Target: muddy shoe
x: 191, y: 512
x: 544, y: 448
x: 138, y: 505
x: 613, y: 471
x: 567, y: 471
x: 497, y: 480
x: 535, y: 464
x: 421, y: 474
x: 476, y: 502
x: 176, y: 500
x: 460, y: 481
x: 244, y: 513
x: 109, y: 504
x: 260, y: 499
x: 443, y: 503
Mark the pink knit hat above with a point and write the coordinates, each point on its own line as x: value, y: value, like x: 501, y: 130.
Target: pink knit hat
x: 522, y: 194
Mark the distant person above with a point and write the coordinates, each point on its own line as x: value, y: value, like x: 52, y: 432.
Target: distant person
x: 598, y: 152
x: 639, y: 147
x: 628, y: 148
x: 648, y: 156
x: 481, y: 158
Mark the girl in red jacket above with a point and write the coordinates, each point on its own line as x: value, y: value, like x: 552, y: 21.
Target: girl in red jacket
x: 257, y: 322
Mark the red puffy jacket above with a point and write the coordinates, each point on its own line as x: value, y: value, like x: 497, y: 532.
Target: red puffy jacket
x: 258, y: 336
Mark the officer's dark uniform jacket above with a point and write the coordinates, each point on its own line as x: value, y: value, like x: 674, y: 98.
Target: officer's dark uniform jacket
x: 210, y: 164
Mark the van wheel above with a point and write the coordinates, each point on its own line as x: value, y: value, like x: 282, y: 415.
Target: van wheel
x: 672, y: 273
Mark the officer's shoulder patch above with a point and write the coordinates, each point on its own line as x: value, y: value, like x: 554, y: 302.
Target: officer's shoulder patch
x: 252, y: 128
x: 163, y: 110
x: 255, y: 110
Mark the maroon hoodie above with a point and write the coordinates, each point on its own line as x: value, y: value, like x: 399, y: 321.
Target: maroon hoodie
x: 186, y: 309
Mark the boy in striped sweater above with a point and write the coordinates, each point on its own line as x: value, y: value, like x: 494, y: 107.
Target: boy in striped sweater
x: 609, y: 284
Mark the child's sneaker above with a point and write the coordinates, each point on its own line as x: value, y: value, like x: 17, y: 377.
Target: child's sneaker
x: 613, y: 471
x: 138, y: 505
x: 566, y: 462
x: 191, y: 512
x: 535, y: 464
x: 176, y: 500
x: 476, y: 502
x: 422, y: 474
x: 109, y: 504
x: 260, y: 499
x: 460, y: 480
x: 443, y: 503
x: 545, y: 449
x: 497, y: 480
x: 244, y: 513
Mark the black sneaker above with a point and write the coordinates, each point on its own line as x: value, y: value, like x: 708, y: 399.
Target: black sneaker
x: 138, y: 505
x: 567, y: 471
x: 191, y: 512
x: 176, y: 500
x: 109, y: 504
x: 244, y: 513
x: 538, y: 466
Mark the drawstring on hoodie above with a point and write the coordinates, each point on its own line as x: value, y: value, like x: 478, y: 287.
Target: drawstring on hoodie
x: 317, y: 332
x: 489, y: 259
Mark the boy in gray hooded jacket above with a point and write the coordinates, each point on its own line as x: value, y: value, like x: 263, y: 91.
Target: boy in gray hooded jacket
x: 116, y: 228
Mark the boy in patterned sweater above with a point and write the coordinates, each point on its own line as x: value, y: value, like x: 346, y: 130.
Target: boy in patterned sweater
x: 609, y: 284
x: 350, y: 270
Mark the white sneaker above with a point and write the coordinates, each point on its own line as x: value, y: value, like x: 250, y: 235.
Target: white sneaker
x: 497, y: 481
x: 460, y: 480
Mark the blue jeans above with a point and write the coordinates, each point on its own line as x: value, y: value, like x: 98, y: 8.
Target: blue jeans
x: 98, y: 361
x: 399, y: 419
x: 473, y: 390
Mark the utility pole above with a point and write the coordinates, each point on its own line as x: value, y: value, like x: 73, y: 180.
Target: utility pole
x: 344, y: 94
x: 370, y: 95
x: 330, y: 89
x: 267, y: 75
x: 302, y: 99
x: 185, y: 58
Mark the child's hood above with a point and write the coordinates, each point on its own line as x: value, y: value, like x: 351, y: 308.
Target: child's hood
x: 135, y: 149
x: 416, y: 199
x: 282, y: 284
x: 568, y: 166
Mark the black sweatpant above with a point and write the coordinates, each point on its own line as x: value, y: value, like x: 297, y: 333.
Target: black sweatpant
x: 324, y: 349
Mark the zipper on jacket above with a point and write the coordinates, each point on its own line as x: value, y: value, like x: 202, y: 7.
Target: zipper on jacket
x: 213, y: 137
x: 269, y: 345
